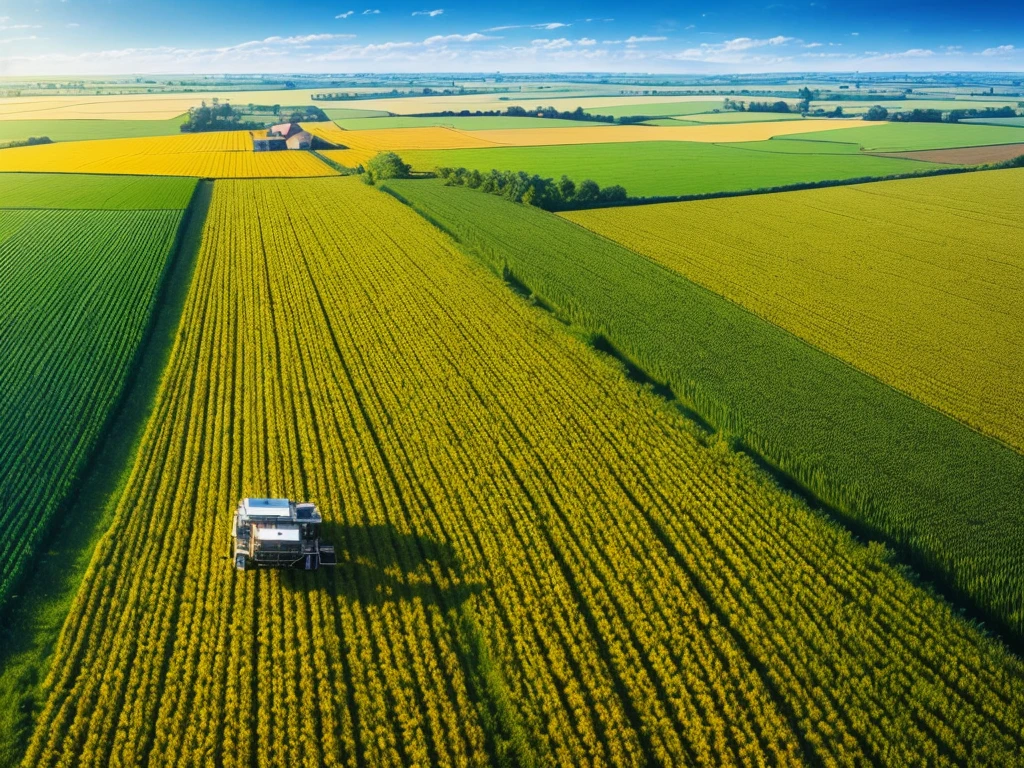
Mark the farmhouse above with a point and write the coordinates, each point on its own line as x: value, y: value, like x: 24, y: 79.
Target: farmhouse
x: 283, y: 136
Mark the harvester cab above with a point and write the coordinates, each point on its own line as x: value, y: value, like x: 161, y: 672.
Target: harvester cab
x: 279, y: 533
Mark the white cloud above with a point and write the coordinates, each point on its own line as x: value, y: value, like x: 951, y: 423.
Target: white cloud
x: 6, y: 27
x: 473, y: 37
x: 586, y: 41
x: 813, y: 45
x: 19, y: 39
x: 73, y: 25
x: 552, y: 45
x: 437, y: 12
x: 369, y: 12
x: 999, y: 50
x: 545, y: 25
x: 731, y: 51
x: 634, y: 39
x: 912, y: 53
x: 855, y: 34
x: 344, y: 15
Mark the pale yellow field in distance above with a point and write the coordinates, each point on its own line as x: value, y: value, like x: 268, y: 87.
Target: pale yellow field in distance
x: 916, y: 282
x: 206, y: 155
x: 164, y: 106
x: 362, y: 145
x: 728, y: 133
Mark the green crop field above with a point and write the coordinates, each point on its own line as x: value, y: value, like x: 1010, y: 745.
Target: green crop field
x: 83, y: 130
x: 651, y: 169
x: 81, y: 191
x: 76, y: 290
x: 907, y: 105
x: 353, y: 114
x: 661, y: 109
x: 948, y: 495
x: 744, y: 117
x: 927, y: 299
x: 906, y: 137
x: 469, y: 123
x: 1012, y: 122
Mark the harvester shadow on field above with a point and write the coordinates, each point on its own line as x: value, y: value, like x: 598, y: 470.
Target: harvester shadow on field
x: 377, y: 563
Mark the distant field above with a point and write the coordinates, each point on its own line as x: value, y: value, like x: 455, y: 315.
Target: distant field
x: 77, y: 130
x: 1013, y: 122
x: 902, y: 137
x: 354, y: 114
x: 907, y: 105
x: 669, y: 168
x: 657, y: 109
x: 205, y: 155
x: 790, y: 146
x: 756, y: 131
x: 744, y: 117
x: 992, y: 153
x: 925, y: 296
x: 76, y: 290
x: 460, y: 123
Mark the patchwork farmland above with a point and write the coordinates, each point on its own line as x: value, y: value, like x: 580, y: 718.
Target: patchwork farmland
x: 603, y: 481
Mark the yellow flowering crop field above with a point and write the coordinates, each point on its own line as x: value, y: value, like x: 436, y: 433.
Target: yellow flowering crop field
x: 540, y: 562
x: 916, y: 282
x: 728, y: 133
x: 207, y: 155
x: 362, y: 145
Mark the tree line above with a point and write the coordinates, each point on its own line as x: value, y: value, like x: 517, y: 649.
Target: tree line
x: 549, y: 113
x: 878, y: 112
x: 521, y: 187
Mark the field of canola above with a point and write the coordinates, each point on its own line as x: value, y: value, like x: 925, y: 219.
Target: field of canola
x: 916, y: 282
x: 541, y: 563
x: 204, y: 155
x: 76, y: 291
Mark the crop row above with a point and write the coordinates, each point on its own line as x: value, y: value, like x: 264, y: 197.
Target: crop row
x: 540, y: 563
x: 76, y: 292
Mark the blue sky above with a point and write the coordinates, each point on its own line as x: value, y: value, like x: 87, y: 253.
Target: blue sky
x: 194, y: 36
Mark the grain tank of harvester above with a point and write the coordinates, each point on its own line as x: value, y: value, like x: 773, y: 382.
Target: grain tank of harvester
x: 279, y: 533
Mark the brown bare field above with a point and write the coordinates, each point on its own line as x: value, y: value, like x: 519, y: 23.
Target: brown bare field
x: 962, y: 155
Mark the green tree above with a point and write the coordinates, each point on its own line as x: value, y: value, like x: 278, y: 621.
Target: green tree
x: 386, y: 165
x: 877, y: 112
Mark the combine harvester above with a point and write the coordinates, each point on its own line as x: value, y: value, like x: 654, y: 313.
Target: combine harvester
x: 279, y: 533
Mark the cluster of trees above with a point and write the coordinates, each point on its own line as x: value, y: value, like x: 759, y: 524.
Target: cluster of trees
x: 731, y: 105
x: 31, y: 141
x: 936, y: 115
x: 224, y: 117
x: 386, y: 165
x: 217, y: 117
x: 521, y: 187
x: 544, y: 112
